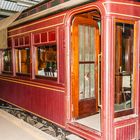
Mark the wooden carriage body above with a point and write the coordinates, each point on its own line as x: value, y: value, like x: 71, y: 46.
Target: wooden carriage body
x: 44, y: 37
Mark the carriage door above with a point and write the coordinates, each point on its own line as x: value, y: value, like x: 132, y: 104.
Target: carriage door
x: 85, y: 67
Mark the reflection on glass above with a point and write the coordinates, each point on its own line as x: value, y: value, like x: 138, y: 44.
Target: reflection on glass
x: 86, y: 62
x: 7, y: 60
x: 46, y: 61
x: 124, y: 66
x: 23, y: 60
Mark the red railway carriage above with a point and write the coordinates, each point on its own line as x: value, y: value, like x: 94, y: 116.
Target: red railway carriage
x: 76, y: 64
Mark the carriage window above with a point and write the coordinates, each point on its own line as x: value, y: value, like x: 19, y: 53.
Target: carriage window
x: 23, y: 60
x: 46, y: 61
x: 124, y: 67
x: 7, y: 60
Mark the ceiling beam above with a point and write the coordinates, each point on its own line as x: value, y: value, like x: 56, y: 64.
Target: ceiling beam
x: 6, y: 12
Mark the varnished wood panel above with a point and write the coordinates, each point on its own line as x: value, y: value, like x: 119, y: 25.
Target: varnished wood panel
x: 87, y: 107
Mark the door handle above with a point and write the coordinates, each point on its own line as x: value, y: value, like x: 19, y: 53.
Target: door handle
x: 99, y: 82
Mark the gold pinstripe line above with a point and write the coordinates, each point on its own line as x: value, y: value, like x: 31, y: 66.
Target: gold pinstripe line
x: 35, y: 30
x: 32, y: 85
x: 120, y: 3
x: 32, y: 113
x: 124, y: 15
x: 42, y: 84
x: 39, y: 22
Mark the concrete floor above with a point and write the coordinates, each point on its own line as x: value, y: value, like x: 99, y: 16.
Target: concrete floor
x: 12, y: 128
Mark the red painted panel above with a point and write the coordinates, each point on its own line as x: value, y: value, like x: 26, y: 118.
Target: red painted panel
x: 16, y: 41
x: 27, y: 40
x: 40, y: 24
x: 127, y: 132
x: 121, y: 8
x: 44, y: 37
x: 36, y: 38
x: 43, y: 102
x: 9, y: 42
x: 52, y: 35
x: 21, y: 41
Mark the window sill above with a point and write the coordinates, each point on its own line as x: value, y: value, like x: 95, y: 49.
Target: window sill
x: 46, y: 78
x: 124, y: 113
x: 7, y: 72
x: 131, y: 116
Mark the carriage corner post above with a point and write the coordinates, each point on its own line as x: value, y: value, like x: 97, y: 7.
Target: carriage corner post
x: 76, y: 65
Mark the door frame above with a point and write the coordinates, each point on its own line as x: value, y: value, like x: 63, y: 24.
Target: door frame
x: 75, y: 62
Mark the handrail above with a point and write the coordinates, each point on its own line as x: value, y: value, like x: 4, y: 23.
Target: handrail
x: 99, y: 89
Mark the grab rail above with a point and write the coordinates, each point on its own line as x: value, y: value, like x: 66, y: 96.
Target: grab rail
x: 99, y: 82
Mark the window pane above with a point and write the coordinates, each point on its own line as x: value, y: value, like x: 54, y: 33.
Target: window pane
x: 86, y: 83
x: 7, y: 60
x: 92, y: 81
x: 86, y: 43
x: 81, y: 81
x: 47, y: 61
x: 86, y: 61
x: 23, y: 60
x: 124, y: 66
x: 81, y: 43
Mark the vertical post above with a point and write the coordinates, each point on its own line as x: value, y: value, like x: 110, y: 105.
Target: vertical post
x: 32, y: 57
x: 138, y: 76
x: 1, y: 62
x: 67, y: 71
x: 107, y: 112
x: 13, y: 58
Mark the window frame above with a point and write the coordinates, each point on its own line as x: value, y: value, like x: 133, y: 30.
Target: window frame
x: 41, y: 77
x: 20, y: 73
x: 129, y: 111
x: 2, y: 69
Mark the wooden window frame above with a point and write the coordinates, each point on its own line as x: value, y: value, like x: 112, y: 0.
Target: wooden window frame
x: 131, y: 110
x: 2, y: 70
x: 21, y: 73
x: 36, y: 62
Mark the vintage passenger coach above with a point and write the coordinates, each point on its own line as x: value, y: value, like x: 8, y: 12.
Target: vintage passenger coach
x: 76, y: 64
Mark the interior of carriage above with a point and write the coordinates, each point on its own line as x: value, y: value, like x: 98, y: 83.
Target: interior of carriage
x: 86, y: 35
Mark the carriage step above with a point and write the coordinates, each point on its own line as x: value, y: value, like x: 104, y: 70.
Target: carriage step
x: 73, y: 137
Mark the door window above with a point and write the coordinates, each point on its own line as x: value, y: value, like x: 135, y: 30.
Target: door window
x: 86, y: 61
x: 85, y: 51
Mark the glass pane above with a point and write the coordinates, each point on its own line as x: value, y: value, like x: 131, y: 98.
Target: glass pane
x: 124, y: 66
x: 92, y: 43
x: 7, y: 60
x: 47, y: 61
x: 23, y: 60
x: 86, y: 62
x: 86, y: 43
x: 81, y: 81
x: 87, y: 81
x: 92, y: 80
x: 81, y: 43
